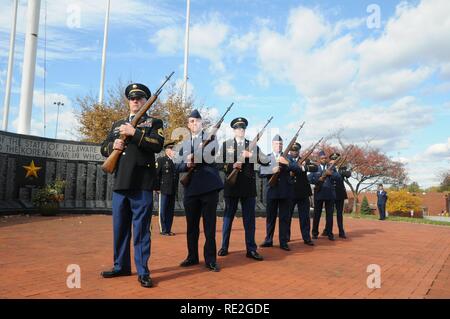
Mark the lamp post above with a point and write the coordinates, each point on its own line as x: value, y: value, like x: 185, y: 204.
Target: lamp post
x: 57, y: 116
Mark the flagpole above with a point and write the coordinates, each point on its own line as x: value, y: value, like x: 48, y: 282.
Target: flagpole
x: 105, y: 42
x: 186, y: 52
x: 12, y: 40
x: 29, y: 66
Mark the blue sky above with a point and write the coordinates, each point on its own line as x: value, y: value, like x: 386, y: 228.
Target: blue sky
x: 318, y: 61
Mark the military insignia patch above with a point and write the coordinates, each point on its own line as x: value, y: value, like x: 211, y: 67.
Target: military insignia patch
x: 161, y: 132
x: 146, y: 123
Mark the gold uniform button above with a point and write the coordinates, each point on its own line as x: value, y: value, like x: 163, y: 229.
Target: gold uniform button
x: 124, y: 153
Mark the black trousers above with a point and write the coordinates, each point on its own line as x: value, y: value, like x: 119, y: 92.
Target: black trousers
x: 282, y: 208
x: 204, y: 205
x: 318, y: 204
x: 303, y: 217
x: 339, y: 204
x: 382, y: 211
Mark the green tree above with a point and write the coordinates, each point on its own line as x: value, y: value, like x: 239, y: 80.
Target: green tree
x: 414, y: 188
x: 365, y: 207
x: 445, y: 184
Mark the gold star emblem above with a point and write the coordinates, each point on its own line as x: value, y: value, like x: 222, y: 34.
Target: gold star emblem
x: 32, y: 170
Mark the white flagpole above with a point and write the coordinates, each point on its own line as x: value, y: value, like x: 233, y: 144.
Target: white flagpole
x: 105, y: 42
x: 29, y: 66
x: 12, y: 40
x: 186, y: 52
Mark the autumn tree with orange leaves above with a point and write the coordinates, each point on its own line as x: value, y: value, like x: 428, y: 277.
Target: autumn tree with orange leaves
x: 95, y: 120
x: 369, y: 166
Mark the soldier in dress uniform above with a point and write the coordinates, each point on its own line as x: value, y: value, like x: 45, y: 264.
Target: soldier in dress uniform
x: 381, y: 201
x: 244, y: 190
x: 134, y: 177
x: 201, y: 195
x: 341, y: 195
x: 301, y: 191
x: 167, y: 185
x: 278, y: 196
x: 325, y: 196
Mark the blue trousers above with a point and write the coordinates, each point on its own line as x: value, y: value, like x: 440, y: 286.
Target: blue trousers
x: 132, y: 207
x: 248, y: 215
x: 275, y: 207
x: 166, y: 210
x: 303, y: 217
x: 329, y: 207
x: 204, y: 205
x: 382, y: 210
x: 339, y: 205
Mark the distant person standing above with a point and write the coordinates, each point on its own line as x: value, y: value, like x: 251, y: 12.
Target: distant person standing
x: 166, y: 185
x: 381, y: 201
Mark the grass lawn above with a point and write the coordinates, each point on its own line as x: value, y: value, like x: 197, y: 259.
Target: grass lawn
x: 403, y: 219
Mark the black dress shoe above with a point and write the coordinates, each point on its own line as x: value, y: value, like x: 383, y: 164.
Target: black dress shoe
x: 309, y: 243
x: 253, y: 254
x: 171, y: 234
x: 189, y: 262
x: 285, y: 247
x: 342, y: 236
x: 266, y: 244
x: 145, y: 281
x: 213, y: 267
x: 314, y: 237
x: 324, y: 233
x: 331, y: 238
x: 164, y: 234
x: 115, y: 273
x: 222, y: 252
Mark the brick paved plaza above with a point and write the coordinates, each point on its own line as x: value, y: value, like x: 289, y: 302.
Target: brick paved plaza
x: 414, y: 260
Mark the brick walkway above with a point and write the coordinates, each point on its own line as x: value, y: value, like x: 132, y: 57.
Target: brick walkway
x: 414, y: 261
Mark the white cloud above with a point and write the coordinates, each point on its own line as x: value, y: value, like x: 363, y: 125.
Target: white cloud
x: 392, y: 84
x: 206, y: 39
x: 439, y: 150
x: 224, y: 88
x: 38, y: 99
x: 413, y: 35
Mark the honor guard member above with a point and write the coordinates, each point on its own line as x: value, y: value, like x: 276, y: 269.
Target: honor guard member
x: 167, y: 185
x: 381, y: 201
x: 301, y: 191
x: 325, y: 196
x: 201, y: 195
x: 341, y: 195
x: 244, y: 189
x: 134, y: 178
x: 277, y: 197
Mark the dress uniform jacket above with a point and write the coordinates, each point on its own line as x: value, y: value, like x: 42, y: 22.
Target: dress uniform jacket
x: 301, y: 188
x: 282, y: 189
x: 136, y: 167
x: 205, y: 177
x: 167, y: 176
x: 245, y: 185
x: 341, y: 192
x: 327, y: 190
x: 381, y: 197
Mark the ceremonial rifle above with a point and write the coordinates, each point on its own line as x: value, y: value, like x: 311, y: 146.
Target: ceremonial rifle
x: 187, y: 177
x: 111, y: 162
x: 231, y: 179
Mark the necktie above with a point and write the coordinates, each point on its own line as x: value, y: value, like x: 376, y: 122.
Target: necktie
x: 131, y: 118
